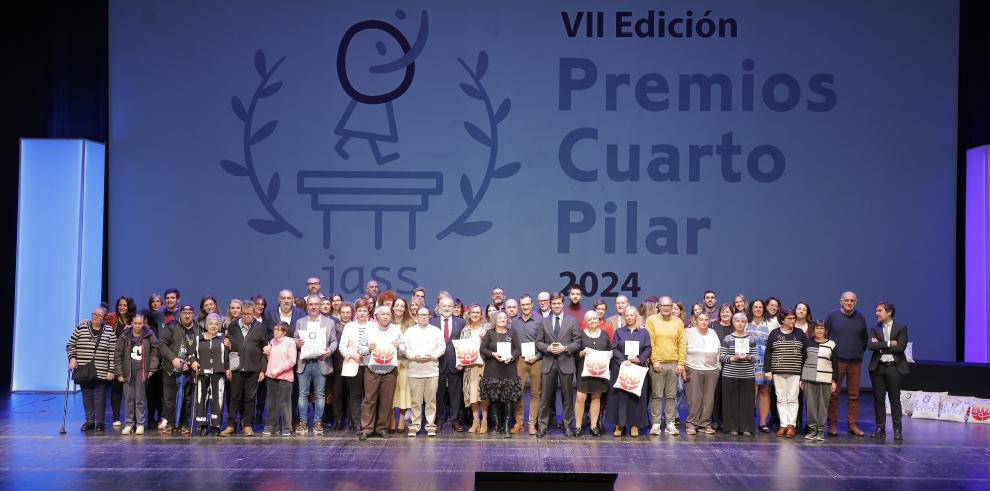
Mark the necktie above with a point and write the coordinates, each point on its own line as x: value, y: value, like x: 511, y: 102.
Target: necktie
x: 556, y: 327
x: 446, y: 329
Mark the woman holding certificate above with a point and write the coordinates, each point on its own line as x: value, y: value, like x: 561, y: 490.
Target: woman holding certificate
x: 632, y: 346
x: 475, y: 328
x: 594, y: 352
x: 500, y: 385
x: 738, y: 354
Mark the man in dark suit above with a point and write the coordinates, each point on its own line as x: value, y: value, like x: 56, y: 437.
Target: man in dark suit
x: 290, y: 314
x: 247, y: 339
x: 887, y: 363
x: 286, y: 312
x: 450, y: 398
x: 559, y: 339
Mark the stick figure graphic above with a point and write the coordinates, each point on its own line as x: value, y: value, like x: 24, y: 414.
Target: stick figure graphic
x: 364, y: 102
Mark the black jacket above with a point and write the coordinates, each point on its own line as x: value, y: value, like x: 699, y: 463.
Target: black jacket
x: 878, y: 345
x: 249, y: 348
x: 448, y: 362
x: 171, y: 343
x: 211, y: 354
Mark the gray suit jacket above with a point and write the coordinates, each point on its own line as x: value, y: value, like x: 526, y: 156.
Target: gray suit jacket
x: 326, y: 364
x: 570, y: 337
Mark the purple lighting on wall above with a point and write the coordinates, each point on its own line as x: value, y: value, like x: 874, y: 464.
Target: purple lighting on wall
x: 977, y: 210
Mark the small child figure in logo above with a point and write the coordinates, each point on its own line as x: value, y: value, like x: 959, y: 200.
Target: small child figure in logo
x: 350, y: 127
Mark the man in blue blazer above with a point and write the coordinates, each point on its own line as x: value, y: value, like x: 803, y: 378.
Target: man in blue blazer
x: 559, y: 339
x: 887, y: 364
x: 313, y: 368
x: 450, y: 398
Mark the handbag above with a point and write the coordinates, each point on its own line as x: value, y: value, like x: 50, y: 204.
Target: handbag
x: 87, y: 372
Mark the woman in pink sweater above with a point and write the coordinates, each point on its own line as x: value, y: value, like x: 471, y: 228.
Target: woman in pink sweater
x: 281, y: 353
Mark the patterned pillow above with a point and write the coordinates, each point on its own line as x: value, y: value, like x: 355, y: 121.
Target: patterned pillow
x: 955, y: 408
x: 926, y: 405
x: 979, y: 411
x: 907, y: 401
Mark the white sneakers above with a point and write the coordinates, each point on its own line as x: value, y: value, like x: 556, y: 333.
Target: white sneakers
x: 431, y: 432
x: 127, y: 430
x: 162, y: 424
x: 657, y: 428
x: 116, y: 423
x: 139, y: 430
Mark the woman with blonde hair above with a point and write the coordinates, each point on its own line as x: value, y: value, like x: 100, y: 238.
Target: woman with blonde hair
x: 402, y: 400
x: 475, y: 327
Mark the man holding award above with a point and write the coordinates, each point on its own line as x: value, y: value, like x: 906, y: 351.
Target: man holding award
x: 381, y: 347
x: 316, y: 339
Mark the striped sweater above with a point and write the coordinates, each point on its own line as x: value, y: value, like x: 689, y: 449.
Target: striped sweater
x: 738, y: 369
x: 818, y: 365
x: 785, y: 352
x: 82, y: 342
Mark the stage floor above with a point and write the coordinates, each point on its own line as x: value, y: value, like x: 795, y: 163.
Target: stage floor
x: 934, y: 455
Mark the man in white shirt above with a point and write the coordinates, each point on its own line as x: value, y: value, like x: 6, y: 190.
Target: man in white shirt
x: 424, y: 347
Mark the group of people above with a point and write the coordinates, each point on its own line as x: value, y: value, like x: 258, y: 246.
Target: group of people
x: 386, y: 364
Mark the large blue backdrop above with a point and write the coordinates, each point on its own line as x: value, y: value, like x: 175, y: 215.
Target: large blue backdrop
x: 794, y: 149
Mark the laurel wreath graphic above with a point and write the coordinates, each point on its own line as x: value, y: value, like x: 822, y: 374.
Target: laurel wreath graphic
x: 472, y: 198
x: 277, y: 223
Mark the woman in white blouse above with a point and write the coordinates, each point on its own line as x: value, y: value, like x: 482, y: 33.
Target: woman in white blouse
x: 701, y: 374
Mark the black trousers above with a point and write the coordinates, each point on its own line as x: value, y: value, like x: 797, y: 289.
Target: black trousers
x: 243, y: 392
x: 116, y: 397
x: 338, y: 390
x: 717, y: 405
x: 738, y: 408
x: 887, y: 382
x: 548, y: 394
x: 355, y: 392
x: 170, y: 392
x: 450, y: 397
x: 295, y: 397
x: 154, y: 391
x: 261, y: 399
x: 209, y: 394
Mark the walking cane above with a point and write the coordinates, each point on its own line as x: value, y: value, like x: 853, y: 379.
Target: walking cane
x: 65, y: 404
x: 195, y: 402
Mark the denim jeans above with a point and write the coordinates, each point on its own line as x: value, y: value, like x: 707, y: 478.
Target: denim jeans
x: 311, y: 373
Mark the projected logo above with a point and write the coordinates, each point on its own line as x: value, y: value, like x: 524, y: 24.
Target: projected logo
x: 370, y: 120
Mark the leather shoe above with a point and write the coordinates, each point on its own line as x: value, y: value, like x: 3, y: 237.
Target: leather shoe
x: 577, y: 432
x: 541, y: 433
x: 382, y: 435
x: 879, y: 433
x: 791, y: 431
x: 596, y: 431
x: 87, y: 426
x: 362, y: 436
x: 854, y: 430
x: 516, y: 428
x: 568, y: 432
x: 833, y: 432
x: 898, y: 435
x: 458, y: 427
x: 782, y: 432
x: 99, y: 426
